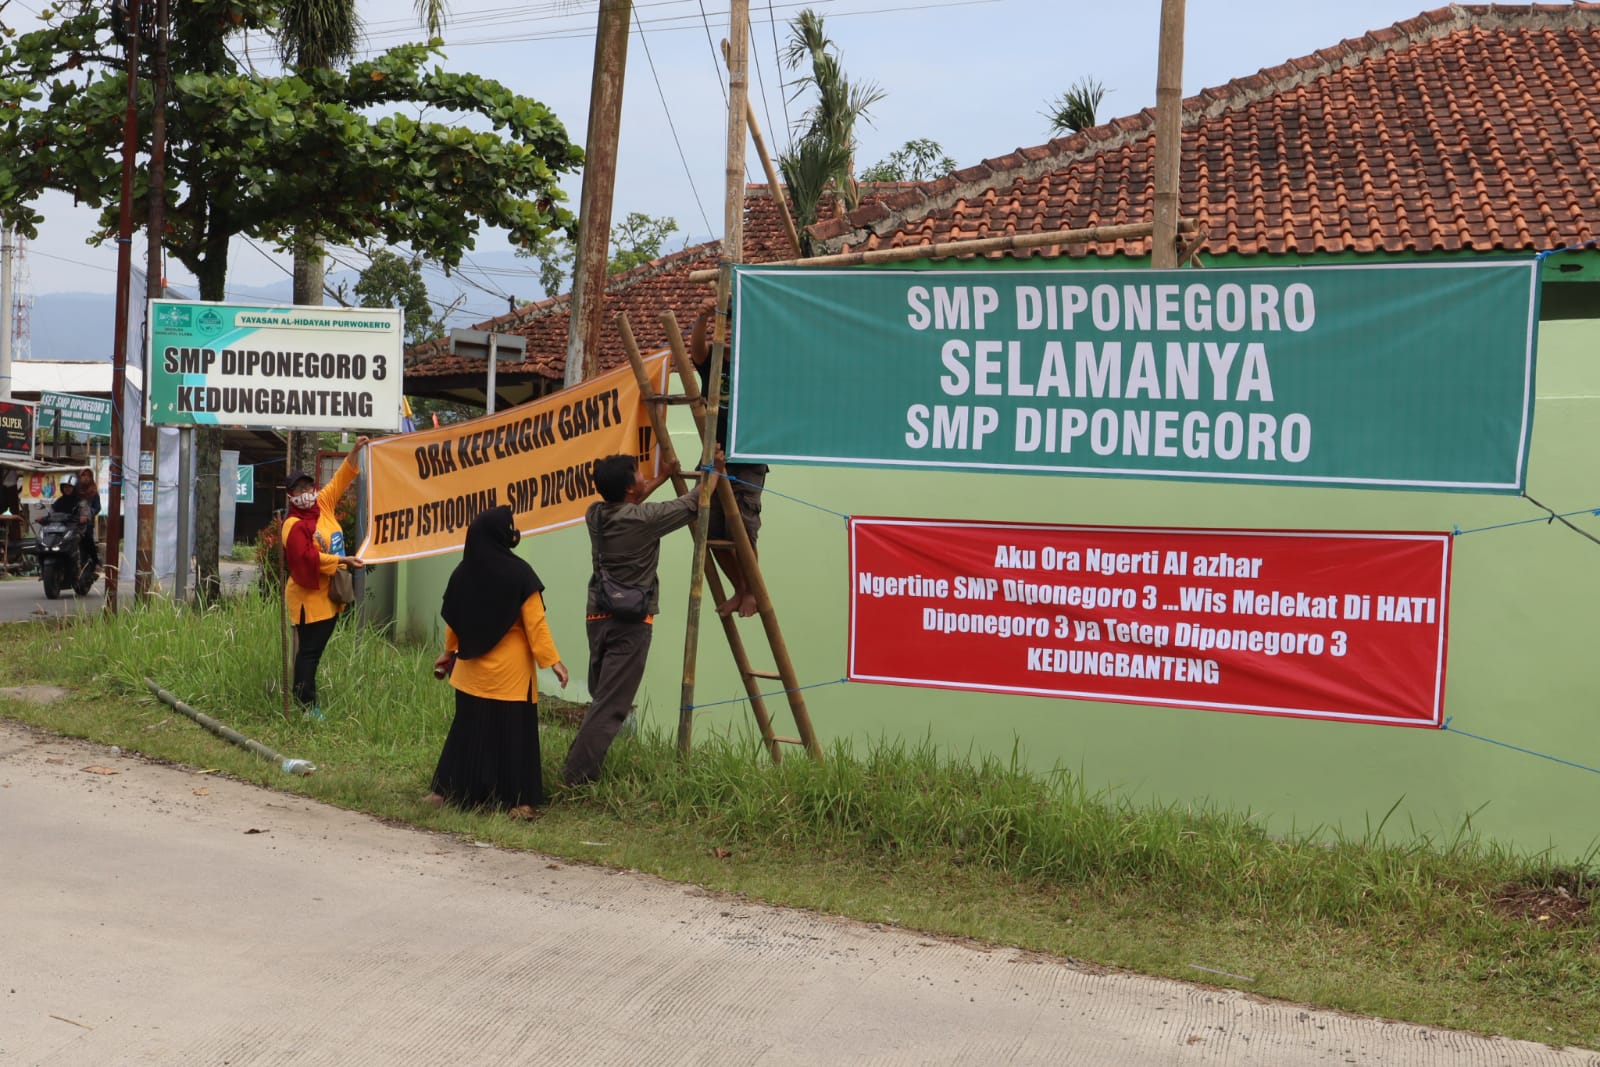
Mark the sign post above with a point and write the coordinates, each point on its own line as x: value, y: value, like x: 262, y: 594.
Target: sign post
x: 493, y: 347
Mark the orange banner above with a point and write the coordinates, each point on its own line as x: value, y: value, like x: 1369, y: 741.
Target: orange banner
x: 424, y: 489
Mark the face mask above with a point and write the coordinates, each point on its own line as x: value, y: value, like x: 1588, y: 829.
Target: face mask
x: 303, y: 500
x: 516, y: 538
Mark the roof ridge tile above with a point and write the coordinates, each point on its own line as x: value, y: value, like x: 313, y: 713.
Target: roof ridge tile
x: 1239, y: 93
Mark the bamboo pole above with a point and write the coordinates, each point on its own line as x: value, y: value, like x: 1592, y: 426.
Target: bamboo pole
x: 732, y: 252
x: 228, y: 733
x: 971, y: 247
x: 691, y: 388
x: 766, y: 165
x: 772, y: 180
x: 1169, y: 136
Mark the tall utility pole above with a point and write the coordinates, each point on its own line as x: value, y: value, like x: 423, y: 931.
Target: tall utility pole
x: 119, y: 351
x: 8, y: 300
x: 587, y: 305
x: 1169, y: 135
x: 155, y: 288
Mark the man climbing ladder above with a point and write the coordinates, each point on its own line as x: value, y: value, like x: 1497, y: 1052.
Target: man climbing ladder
x: 739, y: 544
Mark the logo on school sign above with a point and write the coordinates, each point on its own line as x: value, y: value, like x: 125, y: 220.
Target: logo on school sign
x: 291, y: 366
x: 89, y: 415
x: 1416, y: 377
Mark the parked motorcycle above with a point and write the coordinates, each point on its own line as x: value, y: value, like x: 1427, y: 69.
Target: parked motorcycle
x: 64, y: 560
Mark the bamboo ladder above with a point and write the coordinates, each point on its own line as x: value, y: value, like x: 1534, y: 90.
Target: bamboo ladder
x: 704, y: 571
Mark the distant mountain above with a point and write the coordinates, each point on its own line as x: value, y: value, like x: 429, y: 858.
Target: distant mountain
x: 77, y: 326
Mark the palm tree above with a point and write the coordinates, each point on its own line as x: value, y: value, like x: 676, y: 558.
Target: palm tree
x: 431, y: 14
x: 806, y: 170
x: 832, y: 119
x: 1075, y: 109
x: 317, y: 33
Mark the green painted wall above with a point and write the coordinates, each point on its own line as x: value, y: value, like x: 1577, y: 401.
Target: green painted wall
x: 1523, y: 663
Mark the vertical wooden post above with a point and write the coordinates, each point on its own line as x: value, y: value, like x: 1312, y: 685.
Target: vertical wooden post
x: 1169, y: 135
x: 586, y: 306
x: 738, y: 53
x: 155, y: 288
x: 112, y: 564
x: 774, y: 183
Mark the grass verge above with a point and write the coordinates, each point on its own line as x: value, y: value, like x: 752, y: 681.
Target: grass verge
x: 1454, y: 933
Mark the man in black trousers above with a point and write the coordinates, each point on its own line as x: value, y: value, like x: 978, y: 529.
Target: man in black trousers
x: 625, y: 540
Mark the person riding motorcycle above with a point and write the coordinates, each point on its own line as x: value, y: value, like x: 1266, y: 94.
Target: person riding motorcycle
x: 83, y: 492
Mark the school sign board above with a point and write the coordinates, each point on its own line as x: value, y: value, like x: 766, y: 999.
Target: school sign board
x: 1346, y: 626
x: 1408, y: 377
x: 89, y: 415
x: 298, y: 367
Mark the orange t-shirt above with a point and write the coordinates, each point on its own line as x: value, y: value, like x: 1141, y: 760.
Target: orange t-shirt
x: 313, y: 605
x: 506, y: 671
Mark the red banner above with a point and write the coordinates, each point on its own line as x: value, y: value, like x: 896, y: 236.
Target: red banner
x: 1312, y: 624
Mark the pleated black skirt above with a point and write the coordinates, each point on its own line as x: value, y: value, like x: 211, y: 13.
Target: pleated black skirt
x: 491, y: 756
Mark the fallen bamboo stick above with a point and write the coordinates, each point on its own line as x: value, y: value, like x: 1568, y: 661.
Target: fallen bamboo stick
x: 227, y: 733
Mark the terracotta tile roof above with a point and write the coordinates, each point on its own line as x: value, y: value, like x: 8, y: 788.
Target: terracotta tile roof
x: 1468, y: 127
x: 643, y: 292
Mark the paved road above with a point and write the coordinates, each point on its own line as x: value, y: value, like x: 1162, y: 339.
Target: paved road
x: 158, y: 917
x: 23, y: 598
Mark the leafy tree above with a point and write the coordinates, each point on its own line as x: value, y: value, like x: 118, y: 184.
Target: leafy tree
x: 392, y: 281
x: 1075, y: 109
x: 915, y: 161
x: 637, y: 239
x: 268, y: 157
x: 828, y: 126
x: 313, y: 33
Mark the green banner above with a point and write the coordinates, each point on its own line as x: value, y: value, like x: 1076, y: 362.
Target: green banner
x: 244, y: 489
x: 1416, y: 377
x: 79, y: 414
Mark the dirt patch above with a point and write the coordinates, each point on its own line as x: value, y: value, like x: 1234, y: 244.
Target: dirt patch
x: 1562, y: 900
x: 35, y: 694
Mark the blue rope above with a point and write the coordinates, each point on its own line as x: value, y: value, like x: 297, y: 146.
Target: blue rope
x: 1541, y: 256
x: 1552, y: 517
x: 774, y: 492
x: 776, y: 693
x: 1519, y: 748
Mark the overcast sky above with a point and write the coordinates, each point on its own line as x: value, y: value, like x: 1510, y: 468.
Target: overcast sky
x: 973, y: 75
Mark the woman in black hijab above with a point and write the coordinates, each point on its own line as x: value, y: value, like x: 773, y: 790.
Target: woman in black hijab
x: 496, y: 636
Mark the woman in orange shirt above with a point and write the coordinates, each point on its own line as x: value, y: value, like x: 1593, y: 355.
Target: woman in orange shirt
x: 314, y: 548
x: 496, y: 636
